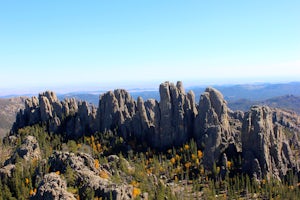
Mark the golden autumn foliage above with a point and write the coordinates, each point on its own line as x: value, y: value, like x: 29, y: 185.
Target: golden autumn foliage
x: 134, y: 183
x: 229, y: 164
x: 96, y: 163
x: 26, y: 181
x: 193, y: 157
x: 186, y: 147
x: 31, y: 192
x: 136, y: 192
x: 173, y: 160
x: 199, y: 154
x: 161, y: 169
x: 103, y: 174
x: 99, y: 147
x: 188, y: 165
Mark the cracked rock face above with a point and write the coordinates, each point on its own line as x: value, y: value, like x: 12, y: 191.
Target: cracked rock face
x: 60, y: 116
x: 163, y: 124
x: 116, y: 110
x: 266, y: 150
x: 86, y: 172
x: 260, y: 135
x: 52, y: 187
x: 212, y: 128
x: 29, y: 150
x: 176, y: 115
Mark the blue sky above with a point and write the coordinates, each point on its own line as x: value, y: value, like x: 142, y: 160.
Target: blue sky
x: 80, y: 44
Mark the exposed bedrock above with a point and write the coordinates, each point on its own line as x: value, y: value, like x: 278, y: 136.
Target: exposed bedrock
x: 266, y: 149
x: 267, y: 139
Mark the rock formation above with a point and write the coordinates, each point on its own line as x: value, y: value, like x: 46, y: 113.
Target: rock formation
x: 162, y: 124
x: 29, y: 150
x: 176, y: 115
x: 90, y: 175
x: 262, y: 136
x: 69, y: 116
x: 266, y: 150
x: 52, y: 187
x: 116, y: 111
x: 212, y: 128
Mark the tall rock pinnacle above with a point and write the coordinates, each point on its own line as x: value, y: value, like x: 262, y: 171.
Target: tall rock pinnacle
x: 212, y: 128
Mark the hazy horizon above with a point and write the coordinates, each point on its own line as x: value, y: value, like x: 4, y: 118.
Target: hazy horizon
x: 96, y: 45
x: 131, y: 87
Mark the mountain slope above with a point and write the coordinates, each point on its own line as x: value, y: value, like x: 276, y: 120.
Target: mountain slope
x: 8, y: 111
x: 289, y: 102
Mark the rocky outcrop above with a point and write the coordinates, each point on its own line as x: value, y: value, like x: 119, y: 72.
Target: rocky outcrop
x: 163, y: 124
x: 90, y: 175
x: 176, y: 115
x: 263, y: 136
x: 60, y: 160
x: 29, y: 150
x: 266, y: 150
x: 52, y: 187
x: 116, y: 111
x: 212, y: 129
x: 69, y: 116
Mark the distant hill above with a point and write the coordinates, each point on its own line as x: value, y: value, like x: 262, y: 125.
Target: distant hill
x: 8, y: 109
x: 254, y: 92
x: 235, y: 94
x: 289, y: 102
